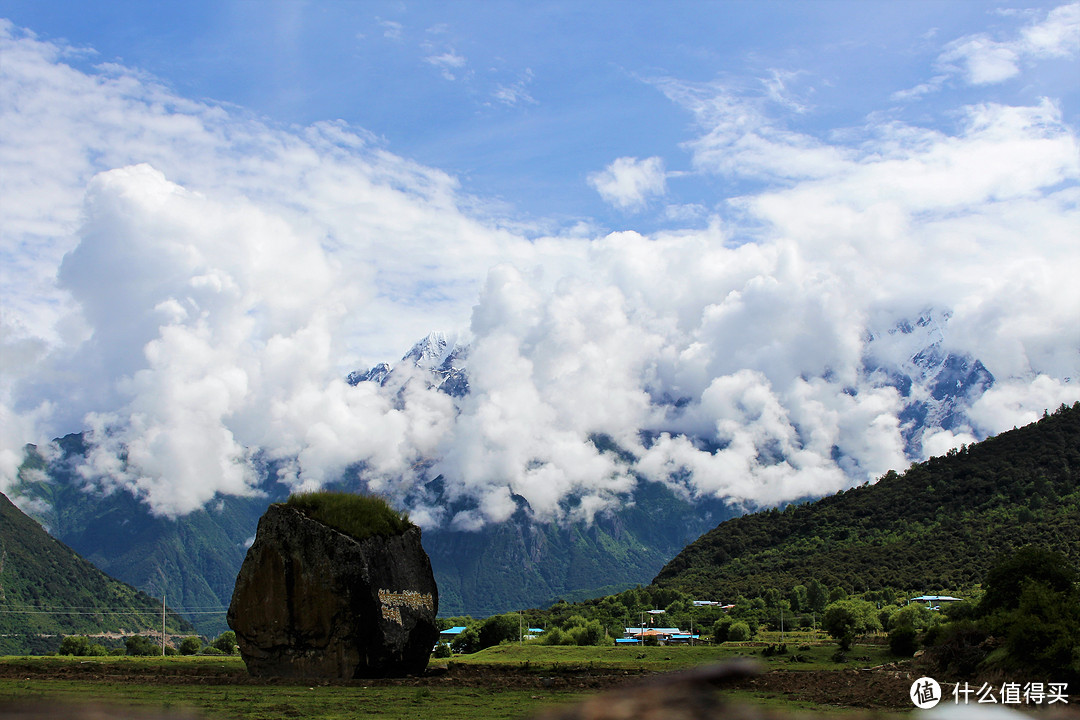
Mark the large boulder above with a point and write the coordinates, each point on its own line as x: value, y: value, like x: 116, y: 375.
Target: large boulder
x: 313, y: 601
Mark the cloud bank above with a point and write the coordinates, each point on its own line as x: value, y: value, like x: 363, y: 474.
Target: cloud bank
x: 191, y: 284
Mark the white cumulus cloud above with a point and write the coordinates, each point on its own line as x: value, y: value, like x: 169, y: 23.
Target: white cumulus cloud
x: 629, y: 183
x: 190, y: 285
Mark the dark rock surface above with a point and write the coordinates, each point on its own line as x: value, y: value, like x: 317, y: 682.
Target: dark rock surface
x: 311, y: 601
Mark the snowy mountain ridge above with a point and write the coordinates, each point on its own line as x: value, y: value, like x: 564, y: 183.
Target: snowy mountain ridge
x: 936, y: 385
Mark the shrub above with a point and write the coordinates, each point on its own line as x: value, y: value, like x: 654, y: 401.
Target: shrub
x: 499, y: 628
x: 591, y: 633
x: 721, y: 628
x: 80, y: 646
x: 190, y: 645
x: 1006, y: 580
x: 739, y: 632
x: 141, y: 645
x: 211, y: 650
x: 555, y: 636
x: 226, y: 642
x: 844, y: 619
x: 902, y: 641
x: 359, y: 516
x: 467, y: 641
x: 442, y: 650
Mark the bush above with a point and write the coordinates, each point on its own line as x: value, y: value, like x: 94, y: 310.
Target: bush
x: 190, y: 645
x: 556, y: 636
x: 845, y: 619
x: 739, y: 632
x: 916, y: 617
x: 1006, y: 580
x: 499, y: 628
x: 467, y: 641
x: 141, y: 646
x: 902, y: 641
x: 226, y: 642
x: 80, y: 646
x: 442, y: 650
x: 360, y: 516
x: 591, y: 633
x: 720, y: 629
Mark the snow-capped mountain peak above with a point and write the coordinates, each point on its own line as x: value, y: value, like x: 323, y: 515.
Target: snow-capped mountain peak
x: 431, y: 352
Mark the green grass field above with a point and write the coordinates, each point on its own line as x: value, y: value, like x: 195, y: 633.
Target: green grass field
x: 542, y: 658
x: 334, y: 702
x: 218, y: 688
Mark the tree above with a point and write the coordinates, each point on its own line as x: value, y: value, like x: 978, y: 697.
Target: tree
x: 590, y: 633
x: 498, y: 628
x: 80, y: 646
x: 1006, y: 579
x: 466, y: 641
x: 739, y: 632
x: 817, y: 595
x: 846, y: 619
x: 799, y: 598
x: 141, y: 645
x: 1045, y: 632
x: 226, y: 642
x: 190, y: 645
x: 916, y: 617
x: 721, y: 629
x: 902, y: 641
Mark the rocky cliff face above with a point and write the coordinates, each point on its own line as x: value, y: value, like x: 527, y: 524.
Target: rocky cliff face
x: 311, y: 601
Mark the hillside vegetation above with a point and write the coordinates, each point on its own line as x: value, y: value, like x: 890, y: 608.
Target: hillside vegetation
x: 940, y: 525
x: 47, y: 591
x: 193, y: 559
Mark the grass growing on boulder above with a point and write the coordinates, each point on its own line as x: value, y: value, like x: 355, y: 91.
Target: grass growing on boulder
x: 359, y: 516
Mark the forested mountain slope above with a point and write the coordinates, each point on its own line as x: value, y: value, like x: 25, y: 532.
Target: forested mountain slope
x: 48, y: 590
x: 939, y: 525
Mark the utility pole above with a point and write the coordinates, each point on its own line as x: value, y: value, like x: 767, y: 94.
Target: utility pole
x: 163, y: 624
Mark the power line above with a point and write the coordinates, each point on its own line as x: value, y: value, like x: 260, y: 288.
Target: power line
x: 108, y: 612
x: 63, y: 608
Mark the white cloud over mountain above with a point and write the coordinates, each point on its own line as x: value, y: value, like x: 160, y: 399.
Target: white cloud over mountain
x: 191, y: 283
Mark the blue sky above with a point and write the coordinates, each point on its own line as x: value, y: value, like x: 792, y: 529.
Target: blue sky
x: 523, y: 101
x: 213, y: 211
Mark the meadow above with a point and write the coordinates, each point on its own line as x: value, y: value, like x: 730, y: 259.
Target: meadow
x: 508, y: 681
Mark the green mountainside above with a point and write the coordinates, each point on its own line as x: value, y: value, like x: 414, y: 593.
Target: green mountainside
x: 940, y: 525
x: 47, y: 591
x: 523, y: 563
x: 192, y: 560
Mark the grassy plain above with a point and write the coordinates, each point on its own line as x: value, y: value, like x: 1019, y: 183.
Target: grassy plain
x: 543, y: 658
x: 270, y: 702
x: 509, y: 681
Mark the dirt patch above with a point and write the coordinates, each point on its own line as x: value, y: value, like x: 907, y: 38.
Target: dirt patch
x: 885, y: 689
x: 876, y: 689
